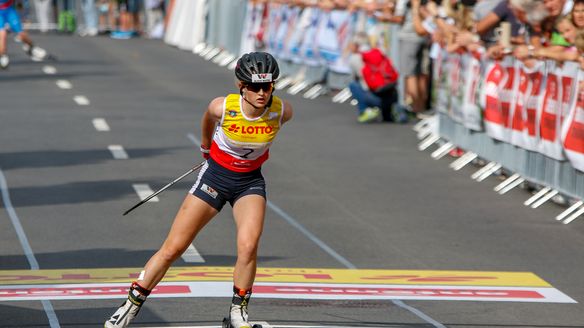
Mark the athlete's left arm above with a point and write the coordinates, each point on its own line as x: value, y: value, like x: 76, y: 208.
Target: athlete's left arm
x: 288, y: 112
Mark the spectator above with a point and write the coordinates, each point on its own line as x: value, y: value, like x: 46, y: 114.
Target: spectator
x: 43, y: 10
x: 129, y: 19
x: 9, y: 15
x: 90, y: 17
x: 155, y: 18
x: 106, y: 16
x: 372, y: 104
x: 569, y: 33
x: 486, y: 27
x: 578, y: 14
x: 414, y: 60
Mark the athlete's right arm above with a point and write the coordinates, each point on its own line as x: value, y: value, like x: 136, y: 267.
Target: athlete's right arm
x: 211, y: 117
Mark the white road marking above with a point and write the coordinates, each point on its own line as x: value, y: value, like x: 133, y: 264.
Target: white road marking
x: 118, y: 152
x: 191, y: 255
x: 143, y: 190
x: 49, y: 70
x: 32, y: 261
x: 100, y: 124
x: 64, y: 84
x: 81, y: 100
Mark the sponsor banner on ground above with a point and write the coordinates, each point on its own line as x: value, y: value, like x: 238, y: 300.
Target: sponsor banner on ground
x: 296, y: 275
x: 291, y: 291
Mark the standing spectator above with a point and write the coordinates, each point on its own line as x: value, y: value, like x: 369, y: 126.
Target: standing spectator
x: 90, y: 17
x: 105, y: 15
x: 43, y: 10
x: 501, y: 13
x: 155, y: 18
x: 129, y: 19
x: 66, y: 19
x: 413, y: 57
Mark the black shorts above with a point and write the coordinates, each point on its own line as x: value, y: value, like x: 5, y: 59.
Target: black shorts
x: 217, y: 185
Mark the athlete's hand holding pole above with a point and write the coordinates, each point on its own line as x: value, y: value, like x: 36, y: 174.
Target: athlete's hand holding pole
x: 193, y: 169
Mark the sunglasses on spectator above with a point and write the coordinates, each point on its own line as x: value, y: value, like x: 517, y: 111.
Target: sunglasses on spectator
x: 255, y: 87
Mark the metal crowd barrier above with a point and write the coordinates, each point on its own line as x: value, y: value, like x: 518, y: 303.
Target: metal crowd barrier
x: 550, y: 178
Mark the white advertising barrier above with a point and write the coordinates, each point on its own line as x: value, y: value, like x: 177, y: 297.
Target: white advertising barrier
x: 523, y: 116
x: 197, y: 36
x: 332, y: 37
x: 471, y: 84
x: 441, y: 81
x: 292, y: 49
x: 345, y: 28
x: 178, y: 17
x: 169, y: 35
x: 573, y: 129
x: 276, y: 18
x: 290, y: 33
x: 308, y: 53
x: 493, y: 114
x: 252, y: 27
x: 192, y: 22
x: 499, y: 87
x: 551, y: 113
x: 457, y: 67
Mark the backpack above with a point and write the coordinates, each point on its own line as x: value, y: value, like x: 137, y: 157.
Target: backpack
x: 378, y: 71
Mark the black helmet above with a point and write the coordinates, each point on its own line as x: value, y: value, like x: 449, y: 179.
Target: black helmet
x: 257, y: 67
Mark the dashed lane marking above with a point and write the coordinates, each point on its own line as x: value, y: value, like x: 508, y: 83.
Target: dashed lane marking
x: 143, y: 191
x: 100, y: 124
x: 64, y: 84
x: 81, y: 100
x: 49, y: 70
x: 118, y: 152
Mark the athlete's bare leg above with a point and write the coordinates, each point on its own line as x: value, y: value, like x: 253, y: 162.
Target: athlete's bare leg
x: 192, y: 216
x: 249, y: 212
x: 3, y: 41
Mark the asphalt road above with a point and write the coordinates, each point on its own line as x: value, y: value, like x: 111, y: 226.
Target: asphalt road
x: 363, y: 196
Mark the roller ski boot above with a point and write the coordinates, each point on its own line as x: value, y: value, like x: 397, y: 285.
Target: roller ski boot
x: 37, y: 54
x: 4, y: 61
x: 129, y: 309
x: 238, y: 311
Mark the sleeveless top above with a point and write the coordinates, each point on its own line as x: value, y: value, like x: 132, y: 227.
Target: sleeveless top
x: 5, y: 4
x: 241, y: 144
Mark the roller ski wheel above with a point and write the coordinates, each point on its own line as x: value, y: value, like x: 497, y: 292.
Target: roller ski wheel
x: 227, y: 324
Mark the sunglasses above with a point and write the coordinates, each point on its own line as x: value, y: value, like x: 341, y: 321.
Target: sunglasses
x: 255, y: 87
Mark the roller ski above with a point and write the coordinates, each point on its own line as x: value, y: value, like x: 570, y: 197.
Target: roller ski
x: 238, y: 311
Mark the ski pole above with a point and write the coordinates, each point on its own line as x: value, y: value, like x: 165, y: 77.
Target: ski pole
x: 193, y: 169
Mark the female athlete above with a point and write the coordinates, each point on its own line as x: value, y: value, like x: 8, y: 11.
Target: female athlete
x: 236, y: 133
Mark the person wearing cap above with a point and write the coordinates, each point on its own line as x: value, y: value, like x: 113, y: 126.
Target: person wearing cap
x: 236, y: 133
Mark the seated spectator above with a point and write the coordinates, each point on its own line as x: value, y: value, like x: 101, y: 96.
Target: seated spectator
x: 372, y: 104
